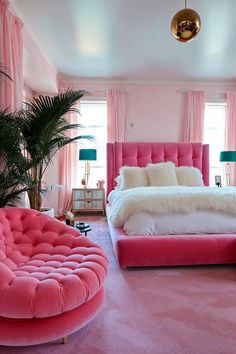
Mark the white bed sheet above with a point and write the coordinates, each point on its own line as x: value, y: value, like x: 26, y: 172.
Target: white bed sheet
x: 199, y: 222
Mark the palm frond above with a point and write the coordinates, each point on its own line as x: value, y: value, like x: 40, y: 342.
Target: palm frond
x: 45, y: 117
x: 4, y: 73
x: 12, y: 185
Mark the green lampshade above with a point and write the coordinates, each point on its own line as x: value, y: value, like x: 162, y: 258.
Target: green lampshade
x: 88, y: 154
x: 228, y: 156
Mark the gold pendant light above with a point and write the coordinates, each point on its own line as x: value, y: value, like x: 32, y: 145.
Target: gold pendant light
x: 185, y: 24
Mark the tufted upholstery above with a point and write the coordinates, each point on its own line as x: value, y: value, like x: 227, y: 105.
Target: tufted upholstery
x: 141, y: 153
x: 45, y: 269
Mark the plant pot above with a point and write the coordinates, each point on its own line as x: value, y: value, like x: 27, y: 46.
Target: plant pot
x: 48, y: 211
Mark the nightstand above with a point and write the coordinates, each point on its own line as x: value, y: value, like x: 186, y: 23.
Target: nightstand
x: 88, y: 200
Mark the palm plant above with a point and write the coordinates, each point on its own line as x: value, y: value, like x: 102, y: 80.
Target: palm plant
x: 13, y: 177
x: 44, y: 130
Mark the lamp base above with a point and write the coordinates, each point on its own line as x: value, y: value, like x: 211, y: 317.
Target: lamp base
x: 86, y: 178
x: 86, y: 173
x: 227, y: 173
x: 227, y: 177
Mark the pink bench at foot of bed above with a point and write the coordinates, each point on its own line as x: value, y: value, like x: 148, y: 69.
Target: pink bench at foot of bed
x: 172, y: 250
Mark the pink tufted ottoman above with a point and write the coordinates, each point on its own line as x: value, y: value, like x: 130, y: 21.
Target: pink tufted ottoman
x: 51, y: 280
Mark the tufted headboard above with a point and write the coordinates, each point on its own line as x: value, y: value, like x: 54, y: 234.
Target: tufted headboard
x: 142, y: 153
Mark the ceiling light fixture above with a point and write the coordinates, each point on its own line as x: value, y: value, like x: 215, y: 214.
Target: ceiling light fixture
x: 185, y: 24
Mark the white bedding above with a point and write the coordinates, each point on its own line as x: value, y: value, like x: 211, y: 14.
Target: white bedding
x: 199, y: 222
x: 163, y: 201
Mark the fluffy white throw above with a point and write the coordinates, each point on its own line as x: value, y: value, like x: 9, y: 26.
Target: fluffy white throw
x: 169, y: 200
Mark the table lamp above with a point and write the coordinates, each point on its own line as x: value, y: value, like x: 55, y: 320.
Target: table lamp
x: 227, y: 156
x: 87, y: 155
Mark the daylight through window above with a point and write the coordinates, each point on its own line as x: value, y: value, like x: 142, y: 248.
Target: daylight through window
x: 214, y: 135
x: 94, y: 119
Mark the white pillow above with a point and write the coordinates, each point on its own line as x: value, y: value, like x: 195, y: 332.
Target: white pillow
x: 162, y: 174
x: 189, y: 176
x: 132, y: 176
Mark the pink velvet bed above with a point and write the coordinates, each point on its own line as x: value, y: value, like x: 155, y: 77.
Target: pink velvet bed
x: 168, y: 250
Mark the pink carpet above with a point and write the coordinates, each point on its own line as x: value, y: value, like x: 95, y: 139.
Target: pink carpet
x: 181, y: 310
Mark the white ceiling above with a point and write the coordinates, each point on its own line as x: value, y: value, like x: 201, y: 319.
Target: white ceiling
x: 131, y: 39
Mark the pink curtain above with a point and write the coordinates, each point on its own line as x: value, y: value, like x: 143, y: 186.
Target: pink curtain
x: 68, y: 168
x: 230, y: 131
x: 194, y: 111
x: 11, y: 57
x: 116, y: 115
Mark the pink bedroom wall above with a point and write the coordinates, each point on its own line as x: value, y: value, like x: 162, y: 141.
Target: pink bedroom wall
x: 38, y: 72
x: 154, y: 113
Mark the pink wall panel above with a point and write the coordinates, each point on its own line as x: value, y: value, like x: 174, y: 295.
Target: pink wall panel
x: 155, y: 112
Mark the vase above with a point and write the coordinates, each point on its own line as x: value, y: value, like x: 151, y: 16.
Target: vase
x: 48, y: 211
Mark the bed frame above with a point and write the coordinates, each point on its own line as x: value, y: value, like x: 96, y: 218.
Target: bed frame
x: 158, y: 250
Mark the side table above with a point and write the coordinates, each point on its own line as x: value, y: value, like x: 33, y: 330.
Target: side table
x: 87, y: 200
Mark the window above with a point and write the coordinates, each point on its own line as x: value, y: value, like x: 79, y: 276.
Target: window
x: 214, y: 135
x: 94, y: 119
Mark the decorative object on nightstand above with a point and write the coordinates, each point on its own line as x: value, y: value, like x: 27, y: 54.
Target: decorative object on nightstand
x: 69, y: 218
x: 227, y: 156
x: 100, y: 183
x: 82, y: 227
x: 88, y: 200
x: 218, y: 181
x: 87, y: 155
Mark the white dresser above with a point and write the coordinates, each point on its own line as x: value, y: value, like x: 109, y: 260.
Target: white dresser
x: 88, y: 200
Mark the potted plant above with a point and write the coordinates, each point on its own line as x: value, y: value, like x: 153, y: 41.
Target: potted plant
x: 30, y: 139
x: 44, y: 131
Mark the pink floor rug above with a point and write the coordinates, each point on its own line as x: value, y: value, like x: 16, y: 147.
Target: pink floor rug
x: 177, y: 310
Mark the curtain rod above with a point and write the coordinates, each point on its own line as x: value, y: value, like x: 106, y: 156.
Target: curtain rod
x: 104, y: 90
x: 185, y: 91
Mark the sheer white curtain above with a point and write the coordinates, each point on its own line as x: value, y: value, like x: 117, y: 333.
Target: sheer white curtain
x: 116, y: 115
x: 68, y: 168
x: 230, y: 131
x: 194, y: 110
x: 68, y: 165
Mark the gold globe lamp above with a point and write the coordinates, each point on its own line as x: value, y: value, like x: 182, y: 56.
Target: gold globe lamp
x: 185, y: 24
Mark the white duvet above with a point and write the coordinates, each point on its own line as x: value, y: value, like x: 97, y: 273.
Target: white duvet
x: 169, y: 200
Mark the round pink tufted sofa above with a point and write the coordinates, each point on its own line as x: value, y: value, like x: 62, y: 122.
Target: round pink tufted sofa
x: 51, y: 278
